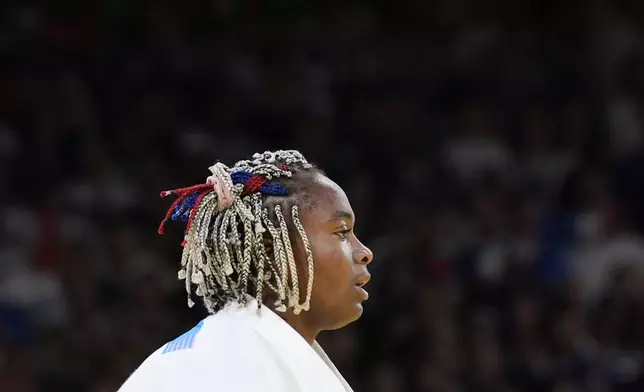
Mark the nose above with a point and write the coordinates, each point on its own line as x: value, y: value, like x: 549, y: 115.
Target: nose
x: 362, y: 254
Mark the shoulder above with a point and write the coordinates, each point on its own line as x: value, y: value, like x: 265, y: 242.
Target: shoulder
x: 226, y: 355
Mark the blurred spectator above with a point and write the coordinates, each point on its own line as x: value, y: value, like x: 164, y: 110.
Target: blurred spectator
x: 492, y: 152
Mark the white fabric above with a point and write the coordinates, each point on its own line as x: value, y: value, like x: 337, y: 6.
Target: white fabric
x: 240, y: 349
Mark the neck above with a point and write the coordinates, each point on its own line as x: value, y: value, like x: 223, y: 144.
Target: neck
x: 301, y: 324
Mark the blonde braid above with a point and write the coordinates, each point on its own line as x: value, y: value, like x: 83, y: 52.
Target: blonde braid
x: 262, y: 256
x: 278, y: 255
x: 223, y: 243
x: 309, y: 257
x: 246, y: 256
x: 294, y: 298
x: 219, y: 264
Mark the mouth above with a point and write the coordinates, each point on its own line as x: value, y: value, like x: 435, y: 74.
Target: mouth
x: 363, y: 280
x: 364, y: 295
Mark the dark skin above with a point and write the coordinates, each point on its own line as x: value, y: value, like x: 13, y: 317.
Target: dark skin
x: 340, y: 262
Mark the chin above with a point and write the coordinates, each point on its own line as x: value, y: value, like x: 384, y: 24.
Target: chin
x: 359, y: 311
x: 352, y: 314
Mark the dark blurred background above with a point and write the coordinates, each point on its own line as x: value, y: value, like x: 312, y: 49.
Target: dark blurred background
x: 492, y: 151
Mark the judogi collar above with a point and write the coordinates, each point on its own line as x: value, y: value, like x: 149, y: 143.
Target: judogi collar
x: 240, y: 349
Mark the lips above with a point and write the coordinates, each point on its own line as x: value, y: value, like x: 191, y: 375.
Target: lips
x: 364, y: 295
x: 363, y: 280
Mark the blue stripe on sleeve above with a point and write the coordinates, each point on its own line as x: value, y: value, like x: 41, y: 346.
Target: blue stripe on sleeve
x: 184, y: 341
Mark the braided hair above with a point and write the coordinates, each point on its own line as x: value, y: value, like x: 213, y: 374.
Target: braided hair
x: 229, y: 222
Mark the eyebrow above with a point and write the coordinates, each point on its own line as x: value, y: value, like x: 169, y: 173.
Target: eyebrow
x: 341, y: 215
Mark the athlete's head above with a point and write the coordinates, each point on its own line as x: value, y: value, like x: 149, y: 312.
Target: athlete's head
x: 277, y: 228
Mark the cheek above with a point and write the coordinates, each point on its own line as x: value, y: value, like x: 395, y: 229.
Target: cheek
x: 333, y: 266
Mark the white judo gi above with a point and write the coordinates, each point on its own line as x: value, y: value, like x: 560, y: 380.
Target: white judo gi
x: 238, y: 350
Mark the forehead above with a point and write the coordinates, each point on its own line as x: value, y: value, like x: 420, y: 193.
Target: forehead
x: 327, y: 199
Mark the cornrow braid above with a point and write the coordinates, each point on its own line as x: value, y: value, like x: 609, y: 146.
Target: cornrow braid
x: 231, y: 217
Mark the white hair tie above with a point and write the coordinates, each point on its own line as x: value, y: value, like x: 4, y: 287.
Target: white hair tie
x: 222, y: 182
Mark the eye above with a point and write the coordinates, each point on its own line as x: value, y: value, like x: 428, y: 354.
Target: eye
x: 343, y: 233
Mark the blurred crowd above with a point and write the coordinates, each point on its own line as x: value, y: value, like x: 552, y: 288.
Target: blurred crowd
x: 492, y: 152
